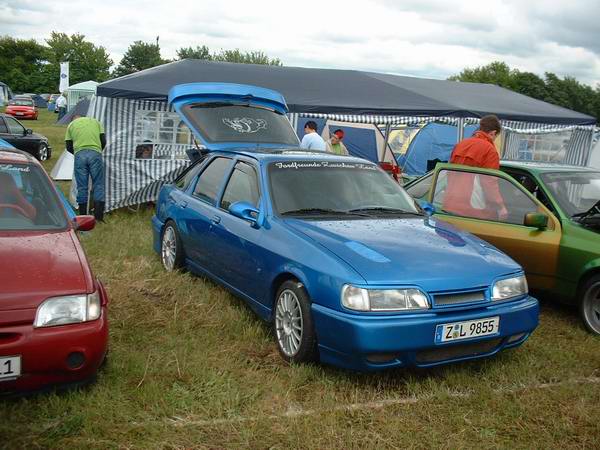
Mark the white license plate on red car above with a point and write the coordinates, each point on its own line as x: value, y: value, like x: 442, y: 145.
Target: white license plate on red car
x: 457, y: 331
x: 10, y: 367
x: 20, y: 114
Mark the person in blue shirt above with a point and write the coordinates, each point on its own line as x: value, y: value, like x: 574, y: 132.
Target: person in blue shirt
x: 312, y: 140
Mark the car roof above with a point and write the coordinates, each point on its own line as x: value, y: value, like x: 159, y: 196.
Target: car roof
x: 14, y: 156
x: 541, y: 167
x: 290, y: 154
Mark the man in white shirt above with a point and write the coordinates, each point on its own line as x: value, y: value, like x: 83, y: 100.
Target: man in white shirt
x: 61, y: 106
x: 312, y: 140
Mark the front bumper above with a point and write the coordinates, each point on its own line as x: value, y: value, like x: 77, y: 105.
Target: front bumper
x: 55, y: 355
x: 375, y: 342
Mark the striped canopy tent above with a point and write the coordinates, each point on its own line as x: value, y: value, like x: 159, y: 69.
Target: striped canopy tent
x: 147, y: 142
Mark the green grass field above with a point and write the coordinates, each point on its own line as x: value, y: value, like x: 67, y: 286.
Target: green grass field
x: 191, y: 367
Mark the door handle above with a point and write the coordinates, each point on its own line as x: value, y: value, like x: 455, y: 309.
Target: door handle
x: 183, y: 203
x: 216, y: 219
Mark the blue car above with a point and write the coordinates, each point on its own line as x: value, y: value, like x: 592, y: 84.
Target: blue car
x: 329, y: 249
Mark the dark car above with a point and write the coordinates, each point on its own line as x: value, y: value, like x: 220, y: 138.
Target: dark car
x: 13, y: 132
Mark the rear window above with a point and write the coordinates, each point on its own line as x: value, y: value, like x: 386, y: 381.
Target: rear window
x: 21, y: 102
x: 224, y: 122
x: 27, y: 200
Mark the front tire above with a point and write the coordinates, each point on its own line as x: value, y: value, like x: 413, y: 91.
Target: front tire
x: 42, y: 153
x: 589, y: 305
x: 171, y: 249
x: 293, y: 324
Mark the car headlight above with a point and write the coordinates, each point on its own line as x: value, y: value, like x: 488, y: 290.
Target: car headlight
x: 360, y: 299
x: 68, y: 309
x: 509, y: 288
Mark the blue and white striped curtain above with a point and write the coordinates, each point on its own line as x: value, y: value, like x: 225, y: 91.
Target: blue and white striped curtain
x: 579, y: 147
x: 130, y: 181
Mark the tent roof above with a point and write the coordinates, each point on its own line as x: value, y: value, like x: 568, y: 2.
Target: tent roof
x: 348, y: 92
x: 84, y: 86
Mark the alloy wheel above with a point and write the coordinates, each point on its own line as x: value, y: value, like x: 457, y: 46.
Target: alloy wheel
x: 288, y: 323
x: 169, y: 248
x: 43, y: 152
x: 591, y: 307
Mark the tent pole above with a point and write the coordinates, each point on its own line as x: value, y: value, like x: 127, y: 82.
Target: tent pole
x: 460, y: 130
x: 388, y: 130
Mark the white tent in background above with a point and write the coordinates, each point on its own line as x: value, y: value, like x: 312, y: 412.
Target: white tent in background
x: 63, y: 169
x: 80, y: 91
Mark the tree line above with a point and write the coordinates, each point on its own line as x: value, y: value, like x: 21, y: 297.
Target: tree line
x: 28, y: 66
x: 566, y: 92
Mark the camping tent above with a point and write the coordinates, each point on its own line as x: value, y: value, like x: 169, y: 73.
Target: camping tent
x: 80, y: 109
x: 433, y: 141
x: 361, y: 139
x: 80, y: 91
x: 134, y: 112
x: 5, y: 94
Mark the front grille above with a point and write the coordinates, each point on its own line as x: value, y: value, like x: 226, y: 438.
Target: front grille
x: 457, y: 351
x: 458, y: 298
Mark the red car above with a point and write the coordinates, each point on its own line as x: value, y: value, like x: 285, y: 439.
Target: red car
x: 23, y: 108
x: 53, y: 311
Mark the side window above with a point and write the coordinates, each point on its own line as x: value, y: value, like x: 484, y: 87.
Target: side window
x: 420, y: 189
x: 3, y: 128
x: 14, y: 127
x: 532, y: 186
x: 481, y: 196
x: 184, y: 180
x: 242, y: 186
x: 207, y: 187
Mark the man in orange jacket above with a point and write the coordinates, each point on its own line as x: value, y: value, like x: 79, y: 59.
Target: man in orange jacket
x: 464, y: 188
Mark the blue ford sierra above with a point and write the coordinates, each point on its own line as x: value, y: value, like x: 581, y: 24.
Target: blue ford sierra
x: 329, y: 249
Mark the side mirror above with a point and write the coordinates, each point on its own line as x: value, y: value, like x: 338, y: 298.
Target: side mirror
x: 246, y: 211
x: 84, y: 223
x: 28, y: 131
x: 536, y: 220
x: 427, y: 207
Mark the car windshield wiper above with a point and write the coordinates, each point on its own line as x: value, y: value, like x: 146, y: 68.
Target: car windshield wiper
x: 381, y: 209
x: 590, y: 212
x: 321, y: 211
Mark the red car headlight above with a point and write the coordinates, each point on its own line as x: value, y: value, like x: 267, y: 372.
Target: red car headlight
x: 68, y: 309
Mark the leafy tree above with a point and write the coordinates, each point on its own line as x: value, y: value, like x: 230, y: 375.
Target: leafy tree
x: 21, y: 64
x: 238, y: 56
x: 235, y: 56
x: 139, y: 56
x: 200, y: 52
x: 566, y: 92
x: 86, y: 60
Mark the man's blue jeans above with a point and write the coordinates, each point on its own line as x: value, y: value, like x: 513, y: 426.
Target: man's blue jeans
x: 89, y: 163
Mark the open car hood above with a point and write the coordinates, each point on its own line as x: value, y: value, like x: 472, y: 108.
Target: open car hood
x: 234, y: 116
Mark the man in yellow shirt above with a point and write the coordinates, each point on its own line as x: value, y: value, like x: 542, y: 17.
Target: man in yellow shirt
x: 85, y: 139
x: 335, y: 144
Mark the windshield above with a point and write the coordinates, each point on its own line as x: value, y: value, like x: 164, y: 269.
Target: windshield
x: 225, y: 122
x: 575, y: 192
x: 330, y: 187
x: 27, y: 200
x: 21, y: 102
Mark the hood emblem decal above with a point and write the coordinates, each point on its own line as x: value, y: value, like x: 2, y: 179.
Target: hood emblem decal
x: 245, y: 124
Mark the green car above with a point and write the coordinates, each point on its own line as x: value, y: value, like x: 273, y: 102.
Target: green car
x: 545, y: 216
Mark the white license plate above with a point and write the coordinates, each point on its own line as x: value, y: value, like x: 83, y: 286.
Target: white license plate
x: 20, y: 114
x: 468, y: 329
x: 10, y: 367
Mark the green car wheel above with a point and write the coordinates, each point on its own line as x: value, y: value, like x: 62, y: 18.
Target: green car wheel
x: 590, y: 304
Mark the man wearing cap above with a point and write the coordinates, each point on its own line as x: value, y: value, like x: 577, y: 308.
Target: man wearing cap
x: 312, y: 140
x: 335, y: 144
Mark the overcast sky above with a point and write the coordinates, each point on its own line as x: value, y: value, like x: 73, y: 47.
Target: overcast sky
x: 427, y: 38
